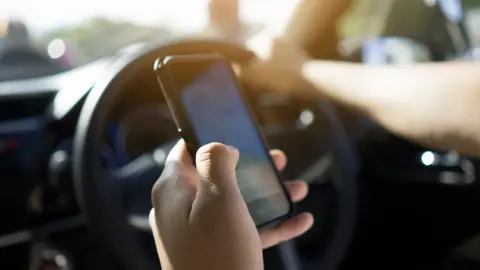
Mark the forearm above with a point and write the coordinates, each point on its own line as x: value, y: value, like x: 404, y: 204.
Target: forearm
x: 433, y: 104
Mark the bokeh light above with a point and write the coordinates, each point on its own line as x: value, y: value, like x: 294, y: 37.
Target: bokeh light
x: 56, y: 48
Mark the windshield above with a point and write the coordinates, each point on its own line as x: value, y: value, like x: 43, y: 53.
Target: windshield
x: 72, y: 33
x: 46, y: 37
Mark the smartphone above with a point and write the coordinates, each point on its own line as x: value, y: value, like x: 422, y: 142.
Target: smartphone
x: 209, y: 105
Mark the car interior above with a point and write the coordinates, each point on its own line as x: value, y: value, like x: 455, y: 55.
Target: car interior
x: 81, y: 147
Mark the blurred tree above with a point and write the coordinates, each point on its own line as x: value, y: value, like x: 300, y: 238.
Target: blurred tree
x: 469, y: 4
x: 99, y: 37
x: 363, y: 18
x: 367, y: 17
x: 83, y: 32
x: 473, y: 19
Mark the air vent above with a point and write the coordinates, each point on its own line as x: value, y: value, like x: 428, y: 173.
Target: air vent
x: 24, y: 106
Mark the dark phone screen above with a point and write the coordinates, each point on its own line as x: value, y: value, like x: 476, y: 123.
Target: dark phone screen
x: 217, y: 112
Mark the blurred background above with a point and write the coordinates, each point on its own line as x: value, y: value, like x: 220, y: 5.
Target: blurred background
x: 39, y: 38
x: 77, y: 32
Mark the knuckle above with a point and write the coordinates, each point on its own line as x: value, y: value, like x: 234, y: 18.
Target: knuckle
x: 214, y: 151
x: 173, y: 181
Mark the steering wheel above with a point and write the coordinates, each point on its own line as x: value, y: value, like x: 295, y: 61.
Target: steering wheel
x: 101, y: 193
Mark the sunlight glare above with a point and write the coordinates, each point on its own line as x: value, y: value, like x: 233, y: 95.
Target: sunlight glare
x: 179, y: 15
x: 186, y: 15
x: 56, y: 48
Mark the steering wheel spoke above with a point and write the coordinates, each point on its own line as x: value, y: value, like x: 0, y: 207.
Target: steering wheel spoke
x: 317, y: 173
x: 136, y: 179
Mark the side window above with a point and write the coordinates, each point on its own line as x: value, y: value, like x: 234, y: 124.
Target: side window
x: 423, y: 22
x: 472, y: 22
x: 385, y: 51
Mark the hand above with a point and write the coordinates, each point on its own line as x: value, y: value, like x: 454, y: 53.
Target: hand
x: 200, y: 220
x: 295, y: 226
x: 278, y: 67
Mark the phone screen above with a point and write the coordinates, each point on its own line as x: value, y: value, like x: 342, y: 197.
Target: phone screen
x: 217, y: 112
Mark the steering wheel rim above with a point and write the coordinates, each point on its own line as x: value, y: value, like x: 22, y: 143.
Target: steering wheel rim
x: 104, y: 212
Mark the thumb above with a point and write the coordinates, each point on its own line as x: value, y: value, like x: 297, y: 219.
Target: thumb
x: 216, y: 165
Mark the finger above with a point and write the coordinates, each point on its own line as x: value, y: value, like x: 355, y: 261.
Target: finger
x: 179, y: 154
x: 178, y: 163
x: 279, y: 159
x: 216, y: 164
x: 297, y: 189
x: 289, y: 229
x: 175, y: 189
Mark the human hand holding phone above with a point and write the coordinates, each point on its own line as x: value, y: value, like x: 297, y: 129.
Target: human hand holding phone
x: 209, y: 105
x: 200, y: 220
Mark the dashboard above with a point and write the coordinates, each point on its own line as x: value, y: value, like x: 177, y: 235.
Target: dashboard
x: 36, y: 189
x: 22, y: 63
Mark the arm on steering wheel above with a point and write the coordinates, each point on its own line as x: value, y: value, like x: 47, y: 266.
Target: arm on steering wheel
x: 435, y: 105
x: 416, y: 102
